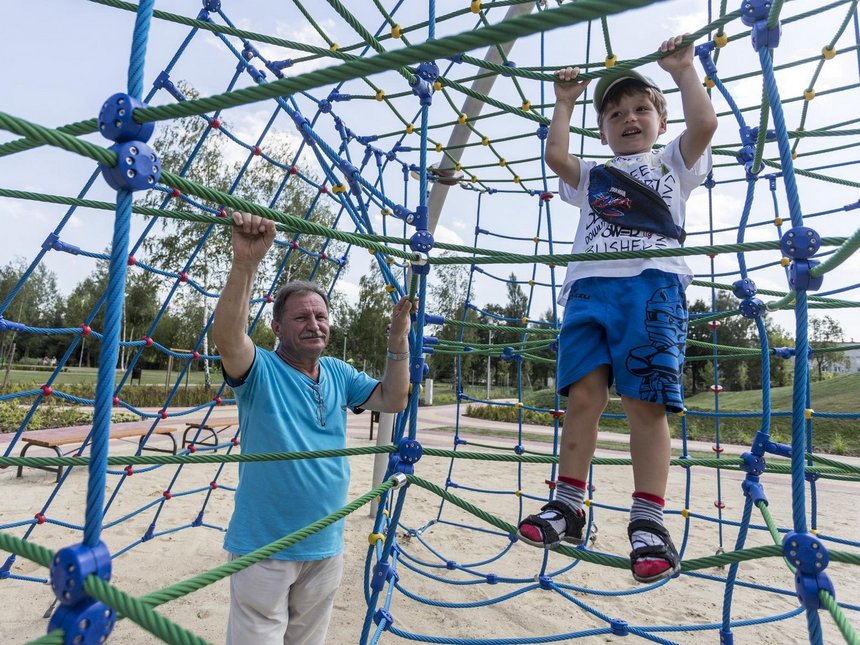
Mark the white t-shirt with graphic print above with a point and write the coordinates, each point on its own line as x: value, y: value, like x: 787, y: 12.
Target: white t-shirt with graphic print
x: 663, y: 170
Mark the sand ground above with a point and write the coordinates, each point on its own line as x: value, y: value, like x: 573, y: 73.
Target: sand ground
x: 440, y: 535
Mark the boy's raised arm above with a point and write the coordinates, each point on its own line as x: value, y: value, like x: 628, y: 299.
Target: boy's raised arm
x: 699, y: 115
x: 558, y: 156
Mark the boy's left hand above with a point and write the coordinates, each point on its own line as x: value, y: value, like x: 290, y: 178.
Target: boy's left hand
x: 679, y: 58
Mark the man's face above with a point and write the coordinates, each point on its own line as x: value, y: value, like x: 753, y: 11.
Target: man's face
x: 631, y: 124
x: 303, y: 329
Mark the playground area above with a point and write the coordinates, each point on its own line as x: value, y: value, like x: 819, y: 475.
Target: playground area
x: 402, y: 144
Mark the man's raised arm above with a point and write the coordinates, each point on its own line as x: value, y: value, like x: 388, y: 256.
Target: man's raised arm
x: 252, y: 238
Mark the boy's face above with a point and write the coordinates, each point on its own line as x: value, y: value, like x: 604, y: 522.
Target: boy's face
x: 631, y: 124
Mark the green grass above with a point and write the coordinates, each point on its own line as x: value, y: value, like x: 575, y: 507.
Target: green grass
x: 840, y: 394
x: 542, y: 438
x: 835, y: 394
x: 76, y: 375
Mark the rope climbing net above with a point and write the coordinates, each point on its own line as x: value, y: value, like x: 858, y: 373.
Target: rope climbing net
x: 363, y: 120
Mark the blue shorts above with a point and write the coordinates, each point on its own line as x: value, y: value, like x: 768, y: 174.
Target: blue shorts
x: 637, y: 326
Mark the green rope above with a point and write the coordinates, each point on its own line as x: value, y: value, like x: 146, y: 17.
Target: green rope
x: 839, y: 617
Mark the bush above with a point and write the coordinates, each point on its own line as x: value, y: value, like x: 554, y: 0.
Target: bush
x: 50, y: 415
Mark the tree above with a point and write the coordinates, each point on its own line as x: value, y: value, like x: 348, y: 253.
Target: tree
x: 365, y: 323
x: 37, y: 304
x: 448, y: 294
x: 825, y: 333
x: 257, y: 180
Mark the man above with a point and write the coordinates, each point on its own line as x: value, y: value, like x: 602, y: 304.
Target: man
x: 291, y: 399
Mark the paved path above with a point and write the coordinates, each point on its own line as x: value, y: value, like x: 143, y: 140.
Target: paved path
x: 432, y: 422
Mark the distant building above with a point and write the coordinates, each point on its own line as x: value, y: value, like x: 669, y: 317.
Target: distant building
x: 851, y: 362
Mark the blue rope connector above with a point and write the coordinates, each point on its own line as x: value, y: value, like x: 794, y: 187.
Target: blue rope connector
x: 800, y: 242
x: 744, y: 288
x: 727, y: 637
x: 752, y: 488
x: 74, y: 564
x: 752, y: 308
x: 619, y: 627
x: 753, y: 464
x: 137, y: 167
x: 116, y: 119
x: 87, y: 623
x: 212, y: 5
x: 163, y: 82
x: 754, y: 14
x: 410, y: 450
x: 53, y: 242
x: 382, y: 572
x: 809, y: 555
x: 799, y: 277
x: 433, y: 319
x: 492, y: 579
x: 384, y: 618
x: 542, y: 131
x: 545, y: 582
x: 421, y: 241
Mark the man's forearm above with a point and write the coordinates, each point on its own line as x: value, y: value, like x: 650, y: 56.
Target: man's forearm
x: 231, y: 312
x: 395, y: 380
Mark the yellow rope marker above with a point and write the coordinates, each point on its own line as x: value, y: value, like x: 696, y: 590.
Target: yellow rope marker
x: 524, y: 321
x: 373, y: 538
x: 587, y: 502
x: 828, y: 52
x: 777, y: 221
x: 461, y: 120
x: 437, y: 85
x: 389, y: 259
x: 385, y: 211
x: 485, y: 141
x: 518, y: 493
x: 532, y: 282
x: 518, y: 405
x: 334, y: 47
x: 458, y: 167
x: 808, y: 413
x: 785, y: 262
x: 503, y: 163
x: 339, y: 188
x: 474, y: 179
x: 395, y: 31
x: 410, y: 128
x: 380, y: 94
x: 475, y: 6
x: 439, y: 147
x: 794, y: 155
x: 721, y: 40
x: 815, y: 531
x: 410, y: 388
x: 390, y: 288
x: 517, y: 179
x: 610, y: 61
x: 682, y: 413
x: 709, y: 83
x: 385, y: 512
x: 685, y: 513
x: 809, y: 94
x: 526, y: 106
x: 536, y: 240
x: 371, y: 251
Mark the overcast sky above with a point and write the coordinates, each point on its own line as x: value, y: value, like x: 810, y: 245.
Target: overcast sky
x: 70, y: 56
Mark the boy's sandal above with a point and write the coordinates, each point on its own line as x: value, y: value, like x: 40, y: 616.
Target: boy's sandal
x: 665, y: 551
x: 574, y: 523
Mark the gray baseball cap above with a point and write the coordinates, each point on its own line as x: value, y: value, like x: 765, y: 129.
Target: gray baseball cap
x: 606, y: 83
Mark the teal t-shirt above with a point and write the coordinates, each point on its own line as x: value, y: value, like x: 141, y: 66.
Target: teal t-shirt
x: 283, y: 410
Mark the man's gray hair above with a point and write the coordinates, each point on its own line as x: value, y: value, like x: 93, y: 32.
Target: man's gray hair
x: 292, y: 288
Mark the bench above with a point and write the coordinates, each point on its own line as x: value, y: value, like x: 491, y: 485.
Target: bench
x: 210, y: 440
x: 56, y: 437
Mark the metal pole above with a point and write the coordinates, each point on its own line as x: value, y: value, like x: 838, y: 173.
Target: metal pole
x: 460, y: 133
x: 384, y: 436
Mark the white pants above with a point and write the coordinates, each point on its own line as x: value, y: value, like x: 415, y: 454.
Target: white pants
x: 283, y: 602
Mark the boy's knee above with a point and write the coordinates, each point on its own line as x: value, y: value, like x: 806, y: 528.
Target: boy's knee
x: 581, y: 397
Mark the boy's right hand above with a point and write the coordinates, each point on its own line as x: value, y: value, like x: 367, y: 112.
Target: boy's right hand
x: 568, y: 91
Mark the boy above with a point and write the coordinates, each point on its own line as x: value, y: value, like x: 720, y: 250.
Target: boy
x: 625, y: 319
